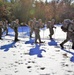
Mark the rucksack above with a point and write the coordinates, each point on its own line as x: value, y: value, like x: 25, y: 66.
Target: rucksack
x: 64, y: 29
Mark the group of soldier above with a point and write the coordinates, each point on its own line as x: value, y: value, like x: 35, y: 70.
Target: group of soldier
x: 4, y: 27
x: 36, y: 25
x: 67, y: 26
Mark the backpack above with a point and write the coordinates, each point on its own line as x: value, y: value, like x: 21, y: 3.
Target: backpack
x: 64, y: 29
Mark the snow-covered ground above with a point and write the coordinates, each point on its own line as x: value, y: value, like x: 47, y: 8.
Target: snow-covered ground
x: 26, y: 58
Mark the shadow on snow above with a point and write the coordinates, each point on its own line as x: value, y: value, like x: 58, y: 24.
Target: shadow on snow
x: 7, y: 46
x: 36, y: 51
x: 72, y: 58
x: 20, y: 29
x: 31, y: 41
x: 53, y: 43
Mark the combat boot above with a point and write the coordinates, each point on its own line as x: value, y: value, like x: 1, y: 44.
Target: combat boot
x: 41, y: 42
x: 50, y: 37
x: 62, y: 46
x: 16, y: 40
x: 73, y: 46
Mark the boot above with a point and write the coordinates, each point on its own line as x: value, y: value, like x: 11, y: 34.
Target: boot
x: 30, y: 36
x: 50, y: 37
x: 62, y: 46
x: 41, y: 42
x: 36, y: 42
x: 16, y: 40
x: 73, y: 46
x: 6, y: 33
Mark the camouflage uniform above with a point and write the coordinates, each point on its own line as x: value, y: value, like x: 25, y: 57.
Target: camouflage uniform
x: 1, y: 26
x: 37, y: 27
x: 5, y: 26
x: 51, y: 26
x: 70, y: 34
x: 14, y: 26
x: 32, y: 24
x: 48, y: 24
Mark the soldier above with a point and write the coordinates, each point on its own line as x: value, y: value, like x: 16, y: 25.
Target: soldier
x: 14, y: 25
x: 70, y: 34
x: 37, y: 31
x: 40, y: 23
x: 1, y: 26
x: 50, y: 25
x: 5, y: 26
x: 32, y: 24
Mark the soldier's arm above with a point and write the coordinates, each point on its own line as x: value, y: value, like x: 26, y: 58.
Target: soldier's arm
x: 53, y: 26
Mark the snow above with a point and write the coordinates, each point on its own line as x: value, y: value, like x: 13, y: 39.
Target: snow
x: 26, y: 58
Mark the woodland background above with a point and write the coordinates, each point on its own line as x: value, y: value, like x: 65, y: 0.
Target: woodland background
x: 25, y: 10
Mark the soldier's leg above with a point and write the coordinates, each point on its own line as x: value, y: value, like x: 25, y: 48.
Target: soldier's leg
x: 50, y: 36
x: 36, y: 36
x: 51, y: 32
x: 39, y: 39
x: 73, y: 45
x: 66, y: 40
x: 72, y: 41
x: 6, y: 31
x: 16, y: 33
x: 31, y: 33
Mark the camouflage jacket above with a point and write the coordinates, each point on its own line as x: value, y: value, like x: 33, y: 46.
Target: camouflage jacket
x: 13, y: 24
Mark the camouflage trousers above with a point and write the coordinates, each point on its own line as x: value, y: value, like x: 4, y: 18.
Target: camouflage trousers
x: 31, y: 31
x: 16, y: 32
x: 51, y: 32
x: 37, y: 35
x: 70, y: 36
